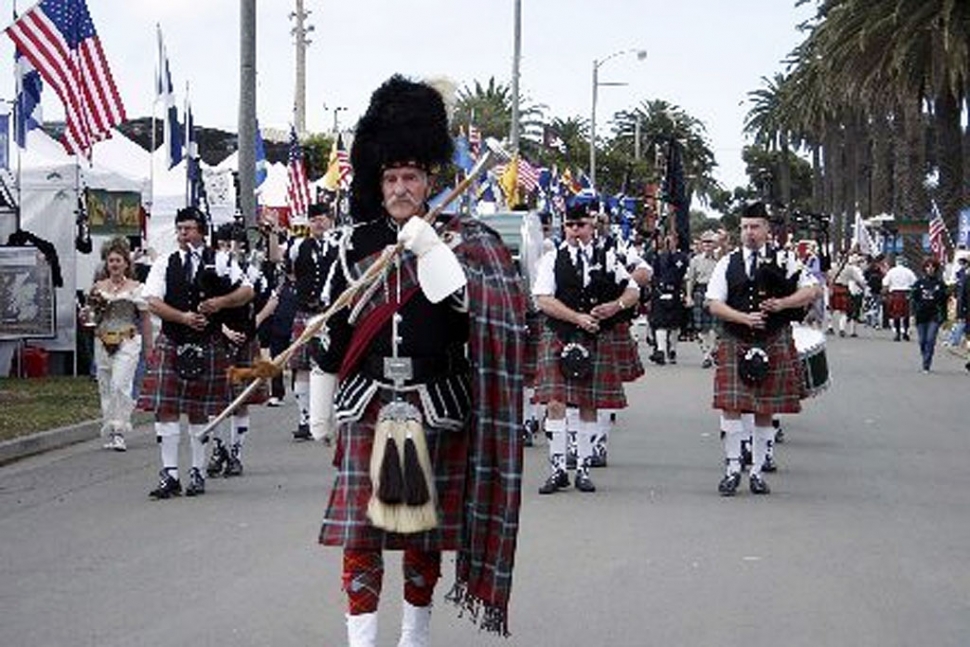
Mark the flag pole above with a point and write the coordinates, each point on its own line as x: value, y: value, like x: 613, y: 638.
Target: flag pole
x: 151, y: 157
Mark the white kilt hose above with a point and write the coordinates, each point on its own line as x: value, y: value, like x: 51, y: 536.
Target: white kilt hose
x: 603, y: 390
x: 166, y: 394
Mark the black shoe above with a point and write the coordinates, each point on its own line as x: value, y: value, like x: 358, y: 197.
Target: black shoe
x: 218, y: 460
x: 302, y: 433
x: 584, y: 484
x: 657, y: 357
x: 558, y: 480
x: 672, y: 357
x: 168, y: 486
x: 707, y: 363
x: 758, y: 485
x: 729, y: 484
x: 234, y: 467
x: 905, y: 336
x: 967, y: 366
x: 896, y: 338
x: 196, y: 483
x: 769, y: 465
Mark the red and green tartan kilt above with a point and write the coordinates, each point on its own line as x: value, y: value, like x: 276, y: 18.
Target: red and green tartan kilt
x: 627, y: 352
x: 164, y: 393
x: 244, y: 358
x: 300, y: 360
x: 346, y: 523
x: 897, y: 304
x: 840, y: 300
x: 781, y: 391
x: 535, y: 322
x: 604, y: 390
x: 703, y: 319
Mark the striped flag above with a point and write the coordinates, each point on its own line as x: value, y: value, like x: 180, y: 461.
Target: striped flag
x: 938, y: 235
x: 298, y: 189
x: 339, y: 170
x: 58, y: 38
x: 528, y: 176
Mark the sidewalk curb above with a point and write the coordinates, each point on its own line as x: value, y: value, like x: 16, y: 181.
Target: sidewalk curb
x: 17, y: 448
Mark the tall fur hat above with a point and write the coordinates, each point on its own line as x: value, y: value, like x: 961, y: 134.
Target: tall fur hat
x: 405, y: 123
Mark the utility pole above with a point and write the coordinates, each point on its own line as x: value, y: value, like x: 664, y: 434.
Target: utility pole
x: 516, y: 55
x: 300, y: 32
x: 247, y: 111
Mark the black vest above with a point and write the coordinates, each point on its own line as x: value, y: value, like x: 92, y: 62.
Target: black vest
x: 602, y: 288
x: 745, y: 295
x: 185, y: 296
x: 310, y: 268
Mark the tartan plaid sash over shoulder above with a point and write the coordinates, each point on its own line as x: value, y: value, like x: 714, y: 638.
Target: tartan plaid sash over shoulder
x: 493, y: 485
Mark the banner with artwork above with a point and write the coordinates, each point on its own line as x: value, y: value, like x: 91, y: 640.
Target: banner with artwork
x: 27, y: 308
x: 113, y: 213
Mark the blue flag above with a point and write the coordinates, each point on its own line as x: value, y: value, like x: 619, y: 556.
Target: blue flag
x: 262, y: 166
x: 27, y: 112
x: 165, y: 93
x: 5, y: 141
x: 462, y: 157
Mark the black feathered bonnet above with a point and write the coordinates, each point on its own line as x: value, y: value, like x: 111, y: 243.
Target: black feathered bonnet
x: 406, y: 123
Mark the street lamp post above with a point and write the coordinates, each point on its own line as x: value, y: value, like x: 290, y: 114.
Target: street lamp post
x: 641, y: 54
x: 336, y: 111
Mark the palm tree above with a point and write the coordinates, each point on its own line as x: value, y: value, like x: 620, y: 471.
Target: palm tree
x: 489, y: 108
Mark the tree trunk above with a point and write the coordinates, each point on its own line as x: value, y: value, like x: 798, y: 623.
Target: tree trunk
x: 881, y: 167
x: 949, y: 155
x: 817, y: 178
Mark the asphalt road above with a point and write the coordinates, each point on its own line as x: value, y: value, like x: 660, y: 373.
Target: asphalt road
x: 863, y: 541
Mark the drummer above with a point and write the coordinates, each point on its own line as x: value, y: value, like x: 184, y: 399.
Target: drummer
x: 756, y: 291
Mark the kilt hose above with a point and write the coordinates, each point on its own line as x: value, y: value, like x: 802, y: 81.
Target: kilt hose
x: 243, y: 356
x: 780, y: 392
x: 346, y: 523
x: 703, y: 319
x: 629, y: 365
x: 300, y: 360
x: 841, y: 299
x: 897, y: 304
x: 166, y: 394
x: 603, y: 390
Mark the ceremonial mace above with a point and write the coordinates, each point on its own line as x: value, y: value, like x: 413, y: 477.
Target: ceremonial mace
x: 494, y: 154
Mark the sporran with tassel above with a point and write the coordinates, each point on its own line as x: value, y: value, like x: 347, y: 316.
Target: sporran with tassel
x: 403, y: 497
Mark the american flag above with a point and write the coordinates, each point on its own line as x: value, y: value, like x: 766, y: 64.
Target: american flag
x: 298, y: 189
x: 474, y: 141
x: 938, y: 235
x: 528, y: 176
x: 58, y: 38
x: 344, y: 168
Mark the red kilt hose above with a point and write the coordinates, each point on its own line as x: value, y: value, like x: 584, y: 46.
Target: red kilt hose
x: 166, y: 394
x: 898, y: 304
x: 346, y: 523
x: 840, y: 299
x: 604, y: 390
x: 300, y: 360
x: 780, y: 392
x: 535, y: 322
x: 244, y: 357
x: 628, y: 352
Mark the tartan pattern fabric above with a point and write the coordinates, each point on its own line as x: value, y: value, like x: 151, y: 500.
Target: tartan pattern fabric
x: 346, y: 523
x: 782, y: 389
x: 534, y: 322
x: 897, y: 304
x: 300, y: 360
x: 363, y: 579
x: 840, y: 299
x: 165, y: 393
x: 243, y: 357
x: 604, y: 390
x: 627, y: 352
x: 422, y: 570
x: 701, y: 314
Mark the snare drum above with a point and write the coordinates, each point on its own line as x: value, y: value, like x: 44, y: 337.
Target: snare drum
x: 810, y: 345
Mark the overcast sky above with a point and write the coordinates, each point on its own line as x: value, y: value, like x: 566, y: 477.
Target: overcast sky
x: 703, y: 55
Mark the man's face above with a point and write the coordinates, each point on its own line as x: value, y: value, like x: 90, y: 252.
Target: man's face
x: 578, y: 231
x: 188, y: 233
x: 707, y: 246
x: 754, y: 232
x: 318, y: 225
x: 405, y: 190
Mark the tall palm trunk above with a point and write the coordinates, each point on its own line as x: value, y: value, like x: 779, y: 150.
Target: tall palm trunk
x: 880, y: 178
x: 949, y: 155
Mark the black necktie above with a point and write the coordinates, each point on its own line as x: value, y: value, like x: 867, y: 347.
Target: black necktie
x: 581, y: 265
x: 752, y: 263
x: 187, y: 267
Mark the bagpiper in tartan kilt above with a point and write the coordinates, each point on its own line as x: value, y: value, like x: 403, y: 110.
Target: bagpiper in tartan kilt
x: 780, y: 392
x: 300, y: 360
x: 703, y: 319
x: 629, y: 364
x: 166, y: 394
x: 840, y: 299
